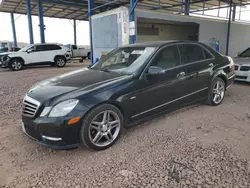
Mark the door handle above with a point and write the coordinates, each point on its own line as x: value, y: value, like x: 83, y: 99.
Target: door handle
x: 181, y: 74
x: 211, y: 65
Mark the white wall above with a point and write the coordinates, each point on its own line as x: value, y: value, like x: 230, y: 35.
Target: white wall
x: 167, y: 32
x: 209, y: 29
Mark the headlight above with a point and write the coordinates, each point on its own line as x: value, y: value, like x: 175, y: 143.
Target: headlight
x: 61, y: 109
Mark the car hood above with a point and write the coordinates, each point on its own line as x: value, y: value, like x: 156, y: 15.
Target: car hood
x: 75, y: 84
x: 241, y: 60
x: 5, y: 53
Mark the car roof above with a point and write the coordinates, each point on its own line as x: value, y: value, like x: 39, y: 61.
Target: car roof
x: 47, y: 44
x: 159, y: 43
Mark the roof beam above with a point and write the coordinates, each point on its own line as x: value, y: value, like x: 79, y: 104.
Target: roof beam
x: 19, y: 4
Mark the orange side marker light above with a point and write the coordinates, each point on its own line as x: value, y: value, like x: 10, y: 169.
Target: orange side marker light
x: 74, y: 120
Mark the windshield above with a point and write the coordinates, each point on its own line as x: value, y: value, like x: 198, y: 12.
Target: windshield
x: 25, y: 48
x: 124, y: 60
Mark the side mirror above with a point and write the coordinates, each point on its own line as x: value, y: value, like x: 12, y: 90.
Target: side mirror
x: 154, y: 70
x: 29, y: 51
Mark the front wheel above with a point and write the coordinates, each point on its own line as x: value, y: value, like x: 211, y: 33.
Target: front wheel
x: 101, y: 127
x: 217, y: 92
x: 16, y: 64
x: 60, y: 61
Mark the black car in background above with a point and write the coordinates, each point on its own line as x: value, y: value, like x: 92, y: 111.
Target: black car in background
x: 91, y: 106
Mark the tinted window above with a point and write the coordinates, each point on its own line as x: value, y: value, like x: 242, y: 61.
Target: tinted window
x: 40, y: 48
x: 53, y: 47
x: 74, y: 47
x: 246, y: 53
x: 191, y: 53
x: 207, y: 55
x: 167, y: 58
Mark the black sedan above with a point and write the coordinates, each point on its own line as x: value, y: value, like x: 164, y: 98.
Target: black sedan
x: 91, y: 106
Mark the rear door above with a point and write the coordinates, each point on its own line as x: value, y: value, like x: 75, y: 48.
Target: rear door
x: 199, y: 63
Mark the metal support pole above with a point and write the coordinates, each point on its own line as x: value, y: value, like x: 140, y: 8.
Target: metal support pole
x: 132, y: 37
x: 28, y: 9
x: 90, y: 6
x: 187, y: 7
x: 203, y: 7
x: 75, y: 42
x: 219, y: 9
x: 13, y: 29
x: 234, y: 13
x: 41, y: 23
x: 229, y: 28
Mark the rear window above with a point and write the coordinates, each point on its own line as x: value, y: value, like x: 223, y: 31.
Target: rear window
x: 191, y: 53
x: 207, y: 55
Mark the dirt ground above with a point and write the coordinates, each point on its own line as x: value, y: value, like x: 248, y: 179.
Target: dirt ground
x: 198, y: 146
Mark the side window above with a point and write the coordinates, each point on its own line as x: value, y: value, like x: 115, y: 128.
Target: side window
x: 191, y: 53
x: 55, y: 47
x: 167, y: 58
x: 207, y: 55
x: 40, y: 48
x: 74, y: 47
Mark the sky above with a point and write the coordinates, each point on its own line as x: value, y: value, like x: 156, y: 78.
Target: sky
x: 57, y: 30
x: 61, y: 30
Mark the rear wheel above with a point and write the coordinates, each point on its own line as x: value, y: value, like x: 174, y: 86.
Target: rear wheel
x: 89, y: 55
x: 217, y: 92
x: 16, y: 64
x: 60, y: 61
x: 101, y: 127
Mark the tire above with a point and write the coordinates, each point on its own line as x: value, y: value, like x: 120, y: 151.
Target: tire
x: 16, y: 64
x: 60, y: 61
x: 216, y: 92
x: 101, y: 134
x: 88, y: 55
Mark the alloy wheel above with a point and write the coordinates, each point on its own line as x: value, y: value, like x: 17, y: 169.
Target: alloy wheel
x: 104, y: 128
x: 16, y: 65
x: 218, y: 92
x: 60, y: 62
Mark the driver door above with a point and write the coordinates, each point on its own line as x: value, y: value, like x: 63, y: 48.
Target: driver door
x: 32, y: 55
x: 157, y: 92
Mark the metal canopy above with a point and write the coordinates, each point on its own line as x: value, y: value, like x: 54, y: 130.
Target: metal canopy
x: 78, y: 9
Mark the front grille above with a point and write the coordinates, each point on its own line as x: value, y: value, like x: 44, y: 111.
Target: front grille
x: 236, y: 67
x: 30, y: 106
x: 241, y: 77
x: 245, y: 68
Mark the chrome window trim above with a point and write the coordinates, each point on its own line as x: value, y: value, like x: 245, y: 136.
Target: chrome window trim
x: 169, y: 102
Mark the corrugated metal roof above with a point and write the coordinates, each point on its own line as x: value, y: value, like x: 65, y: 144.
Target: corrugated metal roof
x: 77, y: 9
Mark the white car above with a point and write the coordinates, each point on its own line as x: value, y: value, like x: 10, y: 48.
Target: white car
x: 242, y: 66
x: 38, y: 54
x: 78, y: 51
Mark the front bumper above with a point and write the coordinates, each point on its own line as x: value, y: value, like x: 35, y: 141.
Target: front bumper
x: 52, y: 132
x: 243, y: 76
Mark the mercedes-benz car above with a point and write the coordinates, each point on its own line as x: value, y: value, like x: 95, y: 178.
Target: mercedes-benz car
x: 91, y: 106
x: 242, y: 66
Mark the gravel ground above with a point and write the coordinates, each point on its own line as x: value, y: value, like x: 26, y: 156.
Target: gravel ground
x: 198, y: 146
